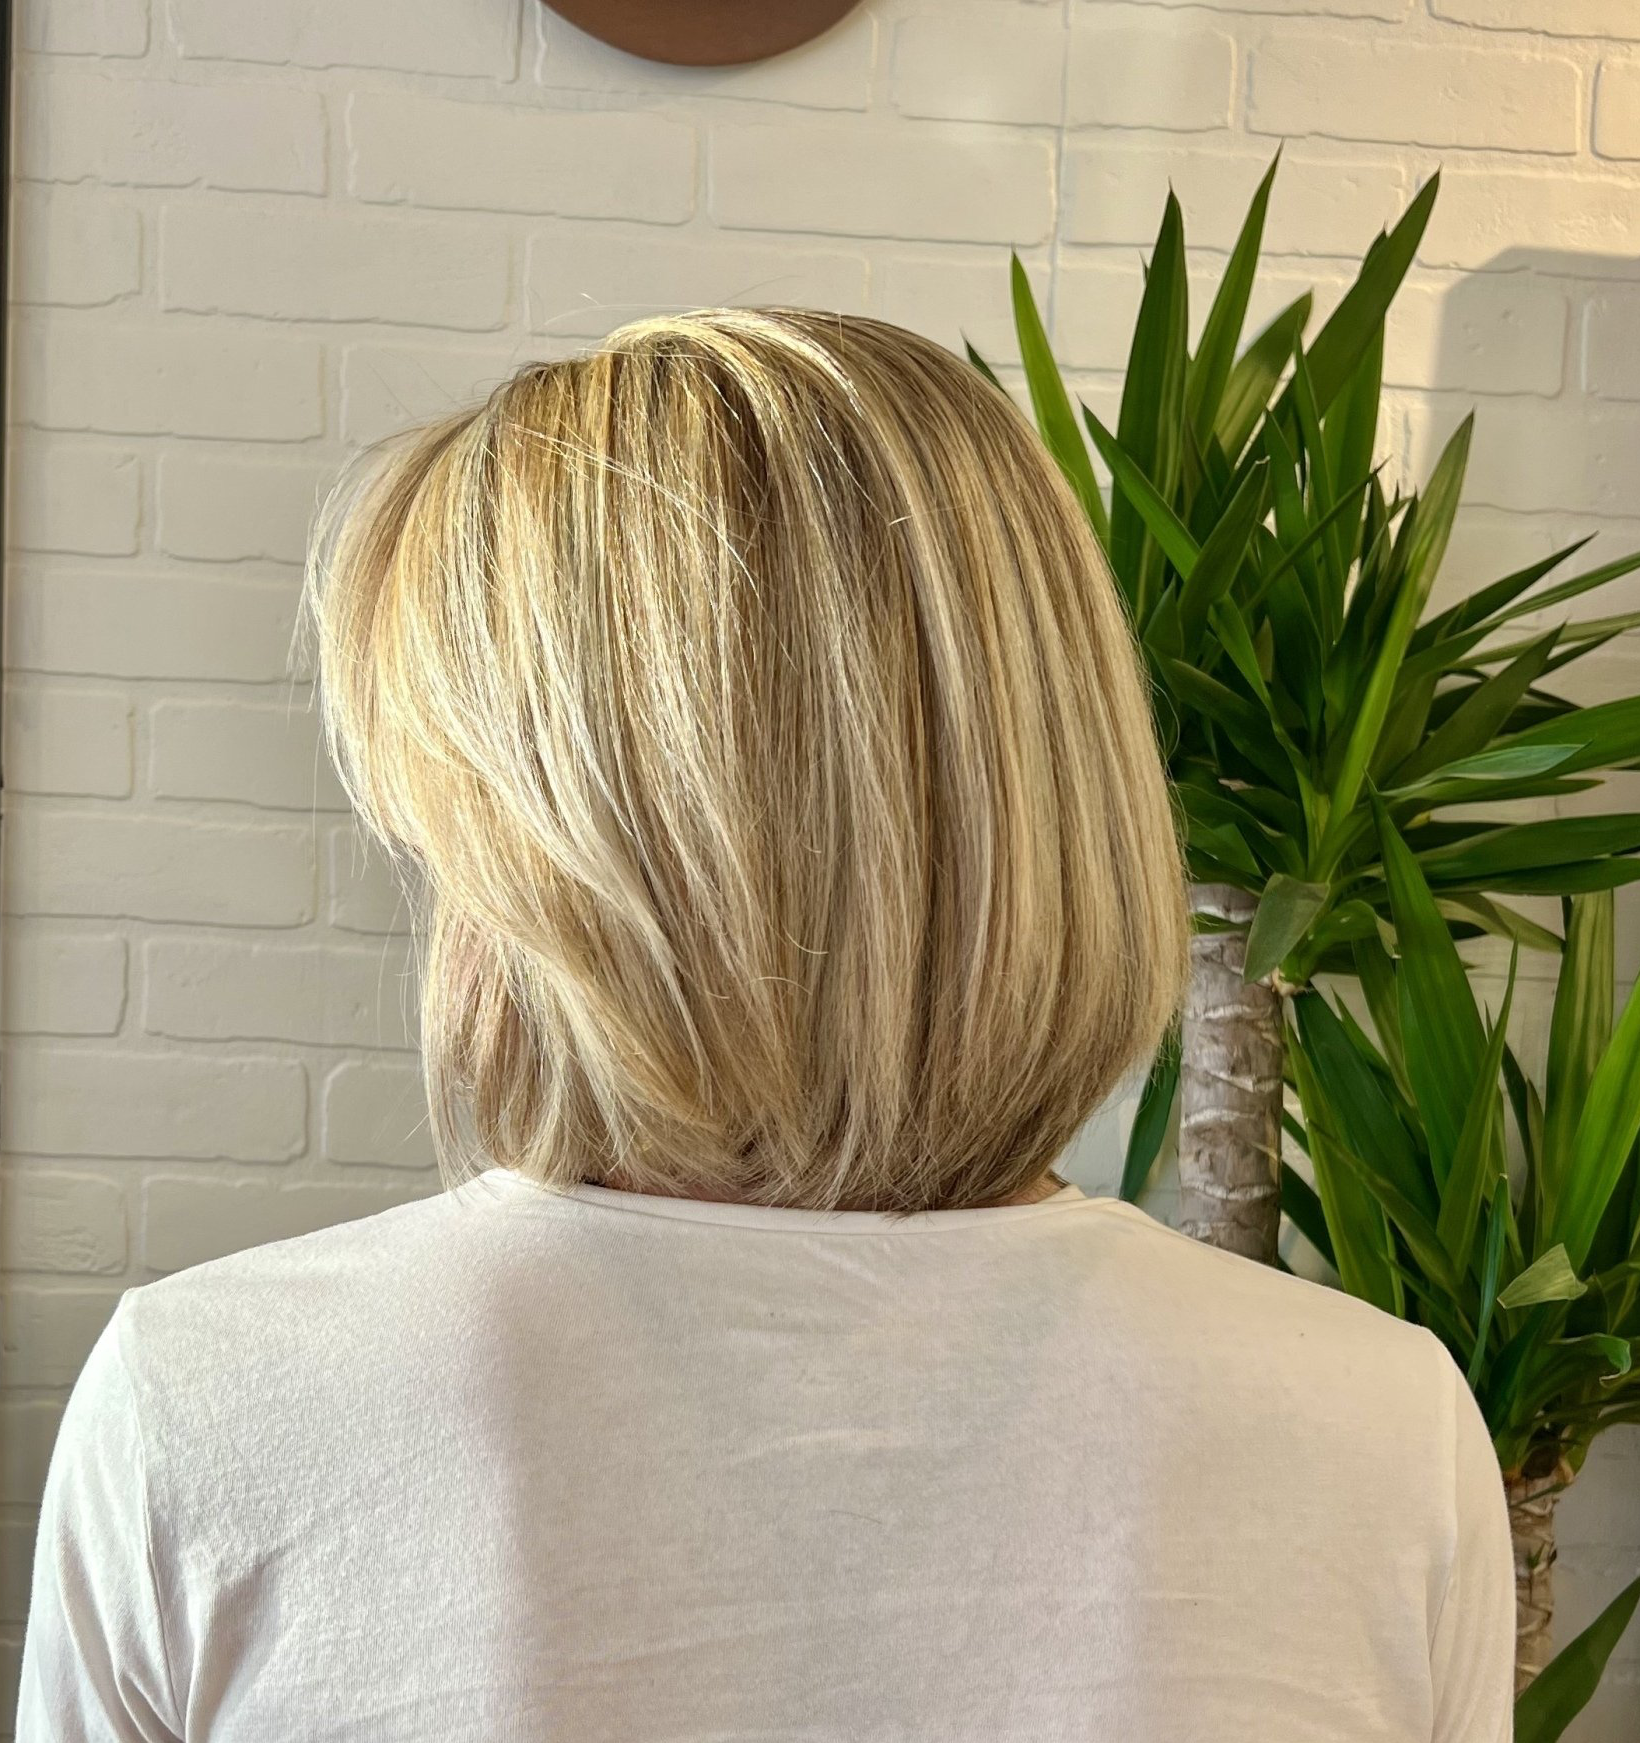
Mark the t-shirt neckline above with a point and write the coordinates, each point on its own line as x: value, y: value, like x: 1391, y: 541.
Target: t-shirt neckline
x: 767, y: 1216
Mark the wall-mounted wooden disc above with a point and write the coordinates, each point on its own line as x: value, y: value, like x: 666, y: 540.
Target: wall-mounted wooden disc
x: 702, y: 33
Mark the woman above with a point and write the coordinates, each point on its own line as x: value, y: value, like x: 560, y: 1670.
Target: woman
x: 756, y: 716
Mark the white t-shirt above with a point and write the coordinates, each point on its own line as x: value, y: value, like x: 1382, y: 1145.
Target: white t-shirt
x: 601, y: 1468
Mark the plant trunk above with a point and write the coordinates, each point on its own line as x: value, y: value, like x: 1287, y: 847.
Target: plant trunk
x: 1533, y: 1494
x: 1229, y: 1089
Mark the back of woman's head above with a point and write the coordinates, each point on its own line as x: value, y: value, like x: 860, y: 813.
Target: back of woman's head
x: 759, y: 719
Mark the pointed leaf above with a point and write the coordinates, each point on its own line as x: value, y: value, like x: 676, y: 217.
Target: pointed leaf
x: 1478, y: 1161
x: 1445, y: 1042
x: 1052, y: 405
x: 1359, y: 318
x: 1150, y: 1122
x: 1606, y: 1130
x: 1221, y: 332
x: 1134, y: 487
x: 1549, y: 1277
x: 1580, y: 1029
x: 1284, y: 914
x: 1257, y: 370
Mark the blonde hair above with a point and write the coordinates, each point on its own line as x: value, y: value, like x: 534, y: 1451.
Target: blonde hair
x: 760, y: 724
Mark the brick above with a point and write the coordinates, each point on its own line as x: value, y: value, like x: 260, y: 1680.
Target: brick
x: 28, y: 1431
x: 63, y: 1223
x: 1616, y: 102
x: 106, y: 28
x: 389, y: 387
x: 188, y: 1222
x: 952, y: 298
x: 587, y: 164
x: 73, y: 246
x: 233, y: 508
x: 129, y: 1102
x: 16, y: 1567
x: 589, y: 282
x: 1563, y: 18
x: 1177, y: 78
x: 1492, y: 218
x: 448, y: 38
x: 1493, y: 333
x: 75, y: 373
x: 952, y: 184
x: 73, y: 497
x: 979, y: 63
x: 1305, y: 8
x: 48, y: 1332
x: 375, y: 1115
x: 1538, y: 455
x: 1095, y: 307
x: 362, y: 893
x: 223, y: 989
x: 126, y: 625
x: 831, y: 72
x: 156, y: 133
x: 1407, y: 93
x: 1610, y: 362
x: 62, y: 980
x: 67, y: 739
x: 334, y: 265
x: 121, y: 862
x: 1318, y: 206
x: 266, y: 754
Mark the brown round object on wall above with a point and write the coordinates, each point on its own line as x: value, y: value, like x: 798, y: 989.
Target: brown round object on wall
x: 702, y: 33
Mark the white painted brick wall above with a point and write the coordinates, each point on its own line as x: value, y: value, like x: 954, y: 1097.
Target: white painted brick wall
x: 249, y: 239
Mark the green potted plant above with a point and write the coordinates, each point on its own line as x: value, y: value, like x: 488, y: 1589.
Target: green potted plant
x: 1281, y: 600
x: 1531, y: 1281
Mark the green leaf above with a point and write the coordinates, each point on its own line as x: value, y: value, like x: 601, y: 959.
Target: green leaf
x: 1253, y: 380
x: 1358, y: 321
x: 1150, y: 1123
x: 1359, y: 1102
x: 1351, y: 429
x: 1492, y: 917
x: 1566, y: 1684
x: 1052, y: 405
x: 1469, y: 613
x: 1284, y: 914
x: 1301, y: 1205
x: 1549, y: 1277
x: 1609, y: 733
x: 1355, y: 1218
x: 1215, y: 569
x: 1491, y: 1262
x: 1555, y: 880
x: 1498, y: 765
x: 1478, y: 1161
x: 1134, y: 487
x: 982, y: 366
x: 1580, y: 1030
x: 1532, y: 846
x: 1607, y: 1127
x: 1210, y: 368
x: 1471, y: 727
x: 1424, y: 536
x: 1150, y: 426
x: 1445, y: 1042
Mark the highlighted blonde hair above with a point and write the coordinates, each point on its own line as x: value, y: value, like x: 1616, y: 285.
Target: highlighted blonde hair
x: 767, y: 740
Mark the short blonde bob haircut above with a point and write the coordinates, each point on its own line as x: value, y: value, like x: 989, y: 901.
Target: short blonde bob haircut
x: 759, y: 728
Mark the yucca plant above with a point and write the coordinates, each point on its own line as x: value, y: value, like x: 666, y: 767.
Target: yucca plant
x: 1533, y: 1283
x: 1280, y: 597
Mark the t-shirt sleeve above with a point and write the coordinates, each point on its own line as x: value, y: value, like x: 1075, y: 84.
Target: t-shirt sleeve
x: 94, y: 1661
x: 1472, y: 1651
